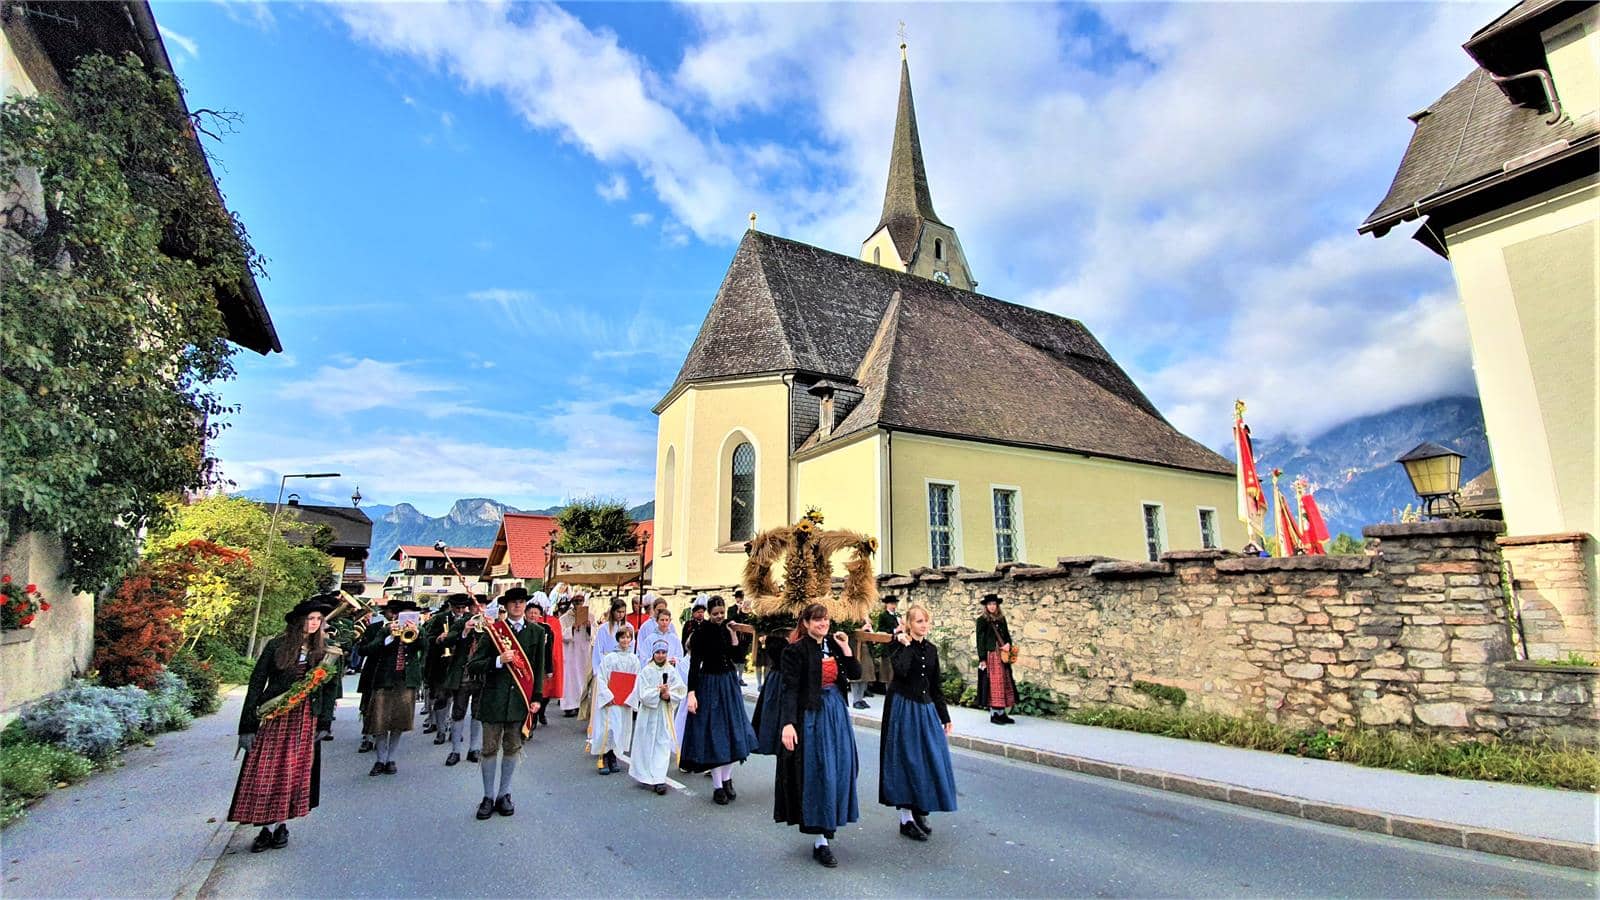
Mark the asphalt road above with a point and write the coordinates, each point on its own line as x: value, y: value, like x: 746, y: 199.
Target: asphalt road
x: 1022, y: 831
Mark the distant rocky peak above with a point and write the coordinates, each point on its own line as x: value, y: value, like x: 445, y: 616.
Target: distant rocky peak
x: 477, y: 511
x: 403, y: 512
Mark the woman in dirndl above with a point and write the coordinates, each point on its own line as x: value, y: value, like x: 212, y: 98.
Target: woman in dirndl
x: 815, y: 787
x: 914, y: 771
x: 280, y: 777
x: 717, y: 732
x: 397, y: 667
x: 767, y: 721
x: 997, y: 690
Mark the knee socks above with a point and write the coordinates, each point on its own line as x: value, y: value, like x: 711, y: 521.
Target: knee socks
x: 486, y: 766
x: 508, y: 765
x: 721, y: 774
x: 394, y: 743
x: 383, y: 747
x: 821, y: 841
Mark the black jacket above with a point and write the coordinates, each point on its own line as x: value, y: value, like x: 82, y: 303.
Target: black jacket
x: 712, y: 652
x: 802, y: 677
x: 268, y: 681
x: 916, y: 676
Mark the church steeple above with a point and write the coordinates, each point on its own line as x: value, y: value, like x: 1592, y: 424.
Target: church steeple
x: 910, y: 236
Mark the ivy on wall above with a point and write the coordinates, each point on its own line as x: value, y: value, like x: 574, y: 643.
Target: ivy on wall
x: 116, y: 249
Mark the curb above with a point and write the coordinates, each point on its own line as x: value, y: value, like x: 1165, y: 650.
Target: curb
x: 1500, y: 843
x: 206, y: 863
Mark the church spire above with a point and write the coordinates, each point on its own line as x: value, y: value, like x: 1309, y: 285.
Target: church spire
x: 906, y: 196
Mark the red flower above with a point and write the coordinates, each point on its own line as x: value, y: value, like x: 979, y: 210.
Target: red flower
x: 44, y: 606
x: 4, y: 599
x: 5, y: 579
x: 32, y: 588
x: 26, y: 619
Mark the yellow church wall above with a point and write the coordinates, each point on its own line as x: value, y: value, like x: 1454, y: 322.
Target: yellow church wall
x: 886, y: 254
x: 701, y: 428
x: 1067, y: 505
x: 1526, y: 276
x: 845, y: 484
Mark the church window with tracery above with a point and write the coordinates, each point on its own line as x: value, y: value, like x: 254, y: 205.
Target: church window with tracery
x: 742, y: 514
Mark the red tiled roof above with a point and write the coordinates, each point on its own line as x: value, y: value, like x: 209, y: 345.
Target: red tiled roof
x: 522, y: 539
x: 418, y: 552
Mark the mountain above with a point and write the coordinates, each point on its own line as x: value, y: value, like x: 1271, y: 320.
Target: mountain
x: 470, y: 522
x: 1352, y: 466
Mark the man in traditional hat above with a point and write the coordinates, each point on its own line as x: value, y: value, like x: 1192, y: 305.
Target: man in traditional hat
x: 437, y: 667
x: 457, y: 690
x: 997, y: 690
x: 697, y: 617
x: 503, y: 708
x: 390, y: 708
x: 888, y: 623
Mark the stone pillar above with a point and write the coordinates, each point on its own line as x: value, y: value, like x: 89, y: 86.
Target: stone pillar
x: 1553, y: 578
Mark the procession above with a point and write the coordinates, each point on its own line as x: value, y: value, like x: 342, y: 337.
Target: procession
x: 482, y: 675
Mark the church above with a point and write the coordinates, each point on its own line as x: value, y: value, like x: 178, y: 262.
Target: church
x: 959, y: 429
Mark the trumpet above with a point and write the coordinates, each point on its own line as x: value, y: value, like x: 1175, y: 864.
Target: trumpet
x: 408, y: 633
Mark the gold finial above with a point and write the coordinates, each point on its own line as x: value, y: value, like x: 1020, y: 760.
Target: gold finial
x: 752, y: 221
x: 902, y: 33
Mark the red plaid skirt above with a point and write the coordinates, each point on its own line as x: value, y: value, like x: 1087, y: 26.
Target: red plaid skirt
x: 1002, y: 690
x: 278, y: 779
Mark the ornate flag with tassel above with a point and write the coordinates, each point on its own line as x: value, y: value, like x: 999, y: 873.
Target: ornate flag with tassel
x: 1313, y: 531
x: 1252, y: 502
x: 1289, y: 541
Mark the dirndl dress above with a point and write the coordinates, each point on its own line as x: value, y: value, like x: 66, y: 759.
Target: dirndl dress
x: 828, y: 744
x: 280, y: 777
x: 719, y: 732
x: 914, y: 770
x: 767, y: 724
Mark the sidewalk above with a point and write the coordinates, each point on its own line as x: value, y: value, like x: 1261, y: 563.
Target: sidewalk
x: 1542, y: 824
x: 150, y: 829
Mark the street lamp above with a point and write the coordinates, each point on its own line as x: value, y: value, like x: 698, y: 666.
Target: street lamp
x: 272, y: 532
x: 1435, y: 473
x: 355, y: 499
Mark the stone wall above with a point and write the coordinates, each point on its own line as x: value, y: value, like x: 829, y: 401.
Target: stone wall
x: 1555, y: 594
x: 1412, y: 636
x: 35, y: 661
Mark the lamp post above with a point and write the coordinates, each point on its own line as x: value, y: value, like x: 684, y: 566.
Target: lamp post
x: 1435, y: 473
x: 272, y: 532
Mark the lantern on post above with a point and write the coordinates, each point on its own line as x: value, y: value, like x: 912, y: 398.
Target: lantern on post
x: 1435, y: 473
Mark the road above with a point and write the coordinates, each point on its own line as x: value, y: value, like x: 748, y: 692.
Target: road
x: 1022, y: 831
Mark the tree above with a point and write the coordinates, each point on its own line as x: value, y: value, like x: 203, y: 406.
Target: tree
x: 596, y: 526
x: 112, y: 334
x: 221, y: 589
x: 1345, y: 545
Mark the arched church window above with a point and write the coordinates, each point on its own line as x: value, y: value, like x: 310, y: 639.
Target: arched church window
x: 877, y: 256
x: 669, y: 501
x: 938, y: 249
x: 742, y: 515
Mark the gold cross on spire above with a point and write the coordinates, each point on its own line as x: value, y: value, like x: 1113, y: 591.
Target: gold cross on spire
x: 902, y: 33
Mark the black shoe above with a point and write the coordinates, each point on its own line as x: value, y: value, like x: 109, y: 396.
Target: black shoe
x: 504, y: 807
x: 922, y: 822
x: 280, y: 837
x: 660, y: 789
x: 262, y: 841
x: 996, y: 719
x: 472, y: 756
x: 860, y: 704
x: 452, y: 759
x: 614, y: 768
x: 1005, y: 719
x: 824, y: 855
x: 485, y: 808
x: 569, y: 714
x: 720, y: 797
x: 910, y: 830
x: 367, y: 746
x: 440, y: 737
x: 328, y: 736
x: 378, y: 768
x: 389, y: 768
x: 727, y: 788
x: 429, y: 728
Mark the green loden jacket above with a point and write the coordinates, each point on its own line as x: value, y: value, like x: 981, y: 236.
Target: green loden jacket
x: 382, y: 659
x: 501, y: 701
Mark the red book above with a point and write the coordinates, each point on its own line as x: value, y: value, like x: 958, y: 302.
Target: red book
x: 621, y: 685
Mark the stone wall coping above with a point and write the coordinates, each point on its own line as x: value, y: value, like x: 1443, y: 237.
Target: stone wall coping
x: 1591, y: 671
x: 1488, y: 527
x: 932, y: 577
x: 1196, y: 555
x: 1130, y: 570
x: 1526, y: 540
x: 1071, y: 562
x: 1295, y: 563
x: 980, y: 576
x: 1036, y: 573
x: 897, y: 581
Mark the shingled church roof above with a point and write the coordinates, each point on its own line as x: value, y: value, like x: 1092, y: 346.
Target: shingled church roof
x: 939, y: 360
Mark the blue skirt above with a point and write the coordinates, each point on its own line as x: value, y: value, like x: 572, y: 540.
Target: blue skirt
x: 914, y: 768
x: 828, y: 794
x: 769, y: 731
x: 719, y: 732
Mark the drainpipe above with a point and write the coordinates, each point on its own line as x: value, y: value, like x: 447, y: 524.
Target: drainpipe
x: 1545, y: 83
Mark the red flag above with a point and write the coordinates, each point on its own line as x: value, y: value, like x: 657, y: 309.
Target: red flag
x: 1252, y: 501
x: 1316, y: 532
x: 1289, y: 540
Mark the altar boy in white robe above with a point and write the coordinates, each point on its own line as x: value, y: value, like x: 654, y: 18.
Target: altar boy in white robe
x: 657, y: 695
x: 614, y: 714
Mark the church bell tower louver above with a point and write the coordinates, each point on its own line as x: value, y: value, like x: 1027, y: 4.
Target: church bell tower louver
x: 910, y: 236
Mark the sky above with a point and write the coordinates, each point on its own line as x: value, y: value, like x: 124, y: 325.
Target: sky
x: 492, y: 231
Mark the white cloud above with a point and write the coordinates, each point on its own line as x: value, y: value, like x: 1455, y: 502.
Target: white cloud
x: 613, y: 190
x: 255, y: 13
x: 357, y: 385
x: 641, y: 219
x: 582, y: 329
x: 187, y: 44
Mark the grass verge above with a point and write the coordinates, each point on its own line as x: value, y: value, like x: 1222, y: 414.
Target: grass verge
x: 29, y: 770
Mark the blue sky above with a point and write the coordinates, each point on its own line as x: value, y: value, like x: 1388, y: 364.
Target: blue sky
x: 492, y: 231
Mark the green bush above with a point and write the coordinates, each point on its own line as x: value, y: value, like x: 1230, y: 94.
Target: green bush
x: 202, y: 680
x: 1164, y: 692
x: 28, y: 771
x: 1038, y: 700
x: 230, y: 666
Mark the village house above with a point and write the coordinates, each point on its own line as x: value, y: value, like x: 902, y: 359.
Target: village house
x: 1501, y: 171
x: 958, y: 428
x: 520, y: 553
x: 424, y: 576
